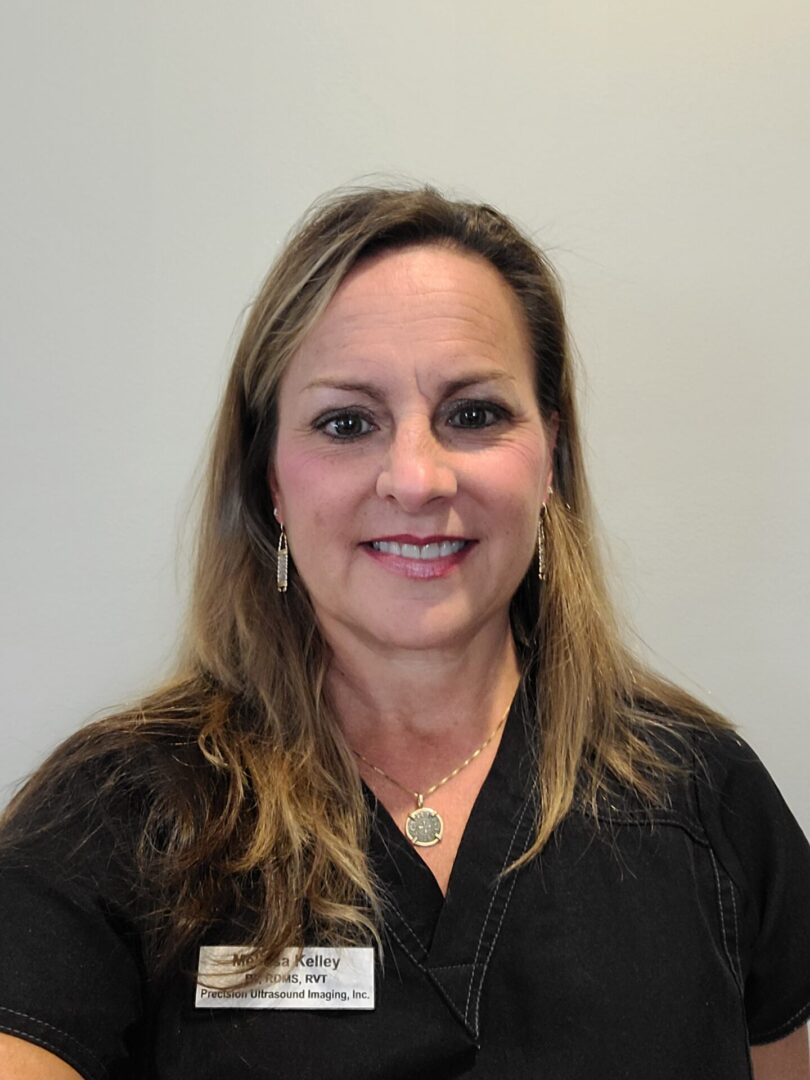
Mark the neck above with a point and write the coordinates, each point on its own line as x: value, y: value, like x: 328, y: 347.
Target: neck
x: 454, y: 699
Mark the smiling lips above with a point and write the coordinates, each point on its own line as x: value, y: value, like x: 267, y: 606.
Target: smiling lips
x: 419, y: 557
x: 432, y: 550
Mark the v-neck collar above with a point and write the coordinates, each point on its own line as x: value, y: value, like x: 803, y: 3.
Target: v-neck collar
x: 451, y: 938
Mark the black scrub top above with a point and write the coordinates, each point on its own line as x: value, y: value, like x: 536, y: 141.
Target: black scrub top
x: 637, y: 945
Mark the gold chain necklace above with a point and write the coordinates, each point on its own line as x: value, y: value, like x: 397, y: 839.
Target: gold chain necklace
x: 424, y: 825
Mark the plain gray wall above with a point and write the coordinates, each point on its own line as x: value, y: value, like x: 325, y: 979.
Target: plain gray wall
x: 156, y: 155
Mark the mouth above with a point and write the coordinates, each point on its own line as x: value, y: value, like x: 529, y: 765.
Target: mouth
x: 426, y: 550
x: 421, y: 558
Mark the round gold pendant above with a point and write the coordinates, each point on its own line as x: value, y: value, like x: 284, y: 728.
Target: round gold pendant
x: 424, y: 827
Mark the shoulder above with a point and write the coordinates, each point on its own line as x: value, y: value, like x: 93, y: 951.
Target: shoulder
x: 711, y: 761
x: 723, y: 759
x: 713, y: 782
x: 737, y: 797
x: 724, y: 783
x: 748, y: 822
x: 748, y: 861
x: 73, y: 910
x: 82, y: 816
x: 762, y: 849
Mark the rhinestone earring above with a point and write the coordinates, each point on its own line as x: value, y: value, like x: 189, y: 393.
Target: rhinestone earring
x: 282, y: 558
x: 541, y: 546
x: 541, y: 541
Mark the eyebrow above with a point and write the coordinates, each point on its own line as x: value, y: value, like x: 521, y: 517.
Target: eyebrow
x: 450, y: 386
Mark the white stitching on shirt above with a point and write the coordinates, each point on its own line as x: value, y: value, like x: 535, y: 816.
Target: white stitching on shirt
x: 732, y: 889
x: 38, y: 1041
x: 486, y: 917
x: 406, y: 950
x: 722, y: 917
x: 486, y: 963
x: 409, y: 928
x: 52, y: 1027
x: 640, y: 819
x: 786, y: 1023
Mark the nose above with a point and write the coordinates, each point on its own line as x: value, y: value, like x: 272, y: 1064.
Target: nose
x: 417, y: 469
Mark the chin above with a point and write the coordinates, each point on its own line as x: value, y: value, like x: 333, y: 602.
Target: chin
x: 432, y: 631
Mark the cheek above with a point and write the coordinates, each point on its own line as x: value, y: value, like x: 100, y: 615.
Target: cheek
x: 291, y: 470
x: 517, y: 478
x: 313, y: 488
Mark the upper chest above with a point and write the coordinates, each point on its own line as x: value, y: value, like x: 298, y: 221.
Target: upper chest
x: 606, y: 956
x: 433, y: 824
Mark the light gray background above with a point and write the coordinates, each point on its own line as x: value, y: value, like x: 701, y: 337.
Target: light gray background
x: 157, y: 153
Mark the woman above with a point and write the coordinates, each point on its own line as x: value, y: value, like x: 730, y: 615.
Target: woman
x: 410, y: 808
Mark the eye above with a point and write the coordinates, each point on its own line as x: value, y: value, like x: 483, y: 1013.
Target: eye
x: 474, y: 415
x: 344, y: 425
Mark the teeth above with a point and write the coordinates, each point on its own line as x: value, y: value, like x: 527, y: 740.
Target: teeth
x: 419, y: 551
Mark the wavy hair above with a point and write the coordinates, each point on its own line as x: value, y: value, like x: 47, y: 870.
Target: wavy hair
x: 252, y: 799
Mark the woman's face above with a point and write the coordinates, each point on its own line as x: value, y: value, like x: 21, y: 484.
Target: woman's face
x: 411, y: 460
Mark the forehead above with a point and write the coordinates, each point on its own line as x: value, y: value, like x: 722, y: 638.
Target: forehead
x: 421, y: 302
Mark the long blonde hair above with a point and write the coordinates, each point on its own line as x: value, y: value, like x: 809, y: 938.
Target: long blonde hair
x: 253, y: 800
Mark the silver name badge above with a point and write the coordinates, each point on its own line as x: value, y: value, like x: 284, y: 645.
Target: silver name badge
x: 314, y: 977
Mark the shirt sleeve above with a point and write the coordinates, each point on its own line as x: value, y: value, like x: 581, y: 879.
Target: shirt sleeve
x: 70, y: 978
x: 764, y: 851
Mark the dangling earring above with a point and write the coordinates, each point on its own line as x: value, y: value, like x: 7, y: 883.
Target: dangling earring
x: 541, y: 545
x: 281, y: 562
x: 282, y: 558
x: 541, y: 541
